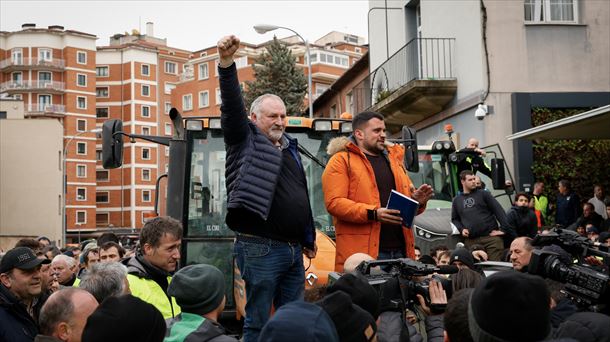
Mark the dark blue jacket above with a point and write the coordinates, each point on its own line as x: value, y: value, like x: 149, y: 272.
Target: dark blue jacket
x: 16, y: 324
x: 568, y: 209
x: 253, y: 163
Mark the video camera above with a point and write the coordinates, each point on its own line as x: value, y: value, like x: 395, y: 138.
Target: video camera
x: 578, y: 246
x: 397, y: 283
x: 583, y: 284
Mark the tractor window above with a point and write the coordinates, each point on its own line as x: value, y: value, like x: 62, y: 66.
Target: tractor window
x: 207, y: 201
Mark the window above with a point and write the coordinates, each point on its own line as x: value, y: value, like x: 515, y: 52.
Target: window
x: 2, y: 115
x: 102, y: 219
x: 349, y: 101
x: 146, y: 153
x: 168, y: 129
x: 145, y: 174
x: 145, y: 195
x: 170, y: 68
x: 98, y: 155
x: 167, y: 151
x: 187, y: 102
x: 101, y: 112
x: 81, y: 194
x: 102, y: 175
x: 168, y: 107
x: 44, y: 101
x: 81, y: 102
x: 81, y: 171
x: 17, y: 78
x: 551, y: 11
x: 101, y: 71
x: 332, y: 59
x: 102, y: 196
x: 216, y: 63
x: 169, y: 87
x: 17, y: 56
x: 203, y: 71
x: 204, y: 99
x: 333, y: 111
x: 166, y: 167
x: 320, y: 89
x: 81, y: 125
x: 101, y: 92
x: 145, y: 130
x: 145, y: 70
x: 218, y: 98
x: 81, y: 57
x: 145, y: 90
x: 81, y: 80
x: 44, y: 55
x: 45, y: 79
x: 81, y: 148
x: 357, y: 50
x: 81, y: 217
x: 241, y: 62
x: 145, y: 111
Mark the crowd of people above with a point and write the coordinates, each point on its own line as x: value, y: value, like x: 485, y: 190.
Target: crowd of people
x: 102, y: 291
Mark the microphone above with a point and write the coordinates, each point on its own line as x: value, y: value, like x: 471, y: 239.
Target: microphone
x: 459, y: 245
x: 448, y: 269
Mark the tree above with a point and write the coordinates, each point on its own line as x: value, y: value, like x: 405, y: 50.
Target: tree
x: 276, y: 72
x: 583, y: 162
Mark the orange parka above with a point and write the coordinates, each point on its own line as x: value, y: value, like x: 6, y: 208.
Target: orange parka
x: 350, y: 189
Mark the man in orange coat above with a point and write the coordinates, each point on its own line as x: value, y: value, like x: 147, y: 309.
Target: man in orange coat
x: 357, y: 182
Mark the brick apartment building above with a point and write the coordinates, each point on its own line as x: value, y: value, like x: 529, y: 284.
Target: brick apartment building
x: 52, y: 71
x: 61, y: 74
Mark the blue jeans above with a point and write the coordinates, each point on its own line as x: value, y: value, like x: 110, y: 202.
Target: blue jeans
x: 273, y: 274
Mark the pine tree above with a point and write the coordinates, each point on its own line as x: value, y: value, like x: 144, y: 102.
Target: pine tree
x: 276, y: 72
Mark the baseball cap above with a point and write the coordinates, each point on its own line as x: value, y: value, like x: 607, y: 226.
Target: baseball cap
x: 22, y: 258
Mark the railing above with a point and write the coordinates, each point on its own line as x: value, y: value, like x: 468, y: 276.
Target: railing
x: 53, y: 63
x: 46, y: 108
x: 419, y: 59
x: 29, y: 85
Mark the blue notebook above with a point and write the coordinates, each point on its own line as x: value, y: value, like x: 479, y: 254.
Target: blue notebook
x: 406, y: 205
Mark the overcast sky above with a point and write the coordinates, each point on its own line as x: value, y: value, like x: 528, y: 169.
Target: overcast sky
x: 190, y: 25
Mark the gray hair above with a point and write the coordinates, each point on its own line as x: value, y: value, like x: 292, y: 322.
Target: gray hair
x: 59, y: 308
x: 70, y: 262
x: 105, y: 279
x: 255, y: 107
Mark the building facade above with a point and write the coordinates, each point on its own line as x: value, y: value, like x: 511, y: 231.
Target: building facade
x: 52, y: 70
x: 510, y: 56
x: 30, y: 176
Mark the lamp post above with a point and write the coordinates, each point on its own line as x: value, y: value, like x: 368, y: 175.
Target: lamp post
x: 64, y: 222
x: 262, y: 29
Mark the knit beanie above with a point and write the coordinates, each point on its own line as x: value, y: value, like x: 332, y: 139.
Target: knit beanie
x: 510, y: 306
x: 362, y: 293
x: 299, y: 321
x: 124, y: 318
x: 198, y: 288
x: 351, y: 321
x: 464, y: 256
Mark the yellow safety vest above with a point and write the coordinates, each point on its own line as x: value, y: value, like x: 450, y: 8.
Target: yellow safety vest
x: 149, y: 291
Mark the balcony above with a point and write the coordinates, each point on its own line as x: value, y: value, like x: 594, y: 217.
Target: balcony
x: 416, y: 82
x: 51, y: 87
x: 46, y: 110
x: 16, y: 64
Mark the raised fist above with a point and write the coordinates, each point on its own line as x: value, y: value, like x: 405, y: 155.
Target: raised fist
x: 227, y: 46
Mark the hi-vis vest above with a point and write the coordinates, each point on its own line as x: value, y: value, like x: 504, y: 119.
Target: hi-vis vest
x: 541, y: 203
x: 150, y: 292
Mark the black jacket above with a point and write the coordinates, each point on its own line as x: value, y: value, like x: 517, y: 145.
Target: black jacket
x: 585, y: 327
x: 16, y: 324
x: 253, y: 163
x: 523, y: 221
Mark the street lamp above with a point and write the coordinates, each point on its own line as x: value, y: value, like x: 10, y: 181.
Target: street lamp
x: 262, y: 29
x: 65, y: 184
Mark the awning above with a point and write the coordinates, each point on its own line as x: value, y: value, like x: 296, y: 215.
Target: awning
x: 594, y: 124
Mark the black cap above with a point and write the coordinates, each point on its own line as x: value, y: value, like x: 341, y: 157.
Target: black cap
x: 22, y: 258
